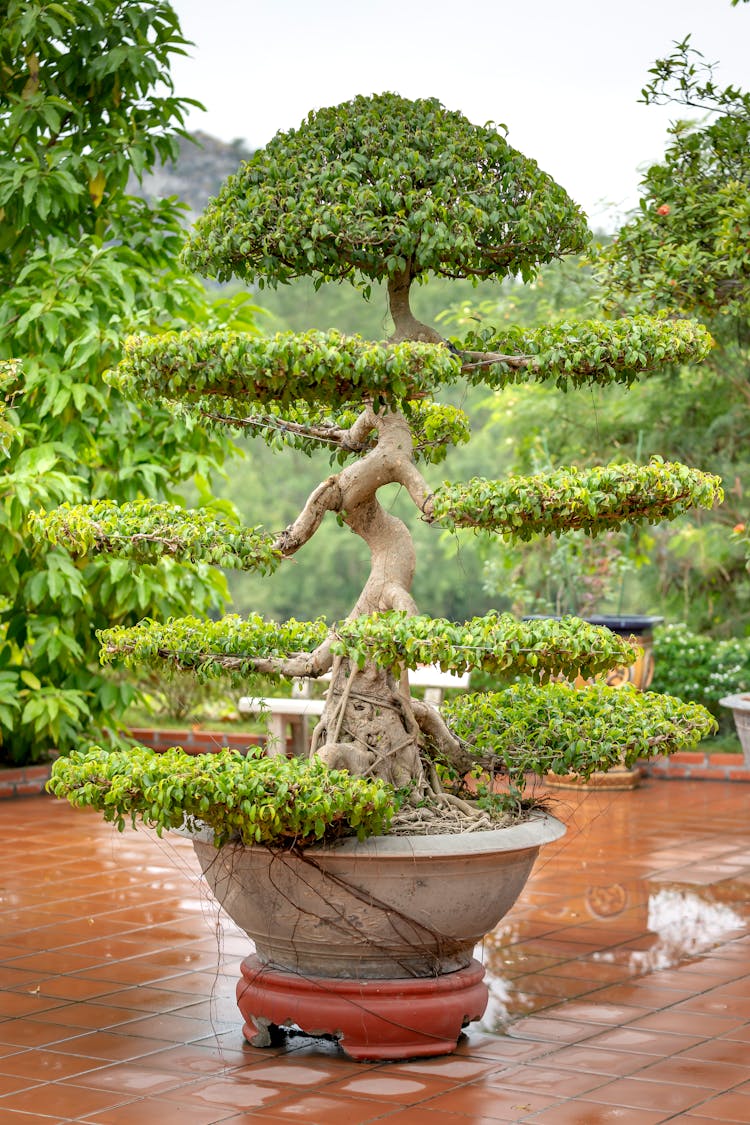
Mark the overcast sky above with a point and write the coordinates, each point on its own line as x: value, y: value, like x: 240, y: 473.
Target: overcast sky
x: 564, y: 75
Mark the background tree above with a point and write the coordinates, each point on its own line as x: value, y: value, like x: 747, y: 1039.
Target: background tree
x: 686, y: 251
x: 85, y: 101
x: 387, y: 189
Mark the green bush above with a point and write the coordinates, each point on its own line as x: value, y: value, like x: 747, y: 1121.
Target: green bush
x: 695, y: 667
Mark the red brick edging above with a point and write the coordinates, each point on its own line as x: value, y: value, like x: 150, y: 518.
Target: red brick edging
x: 194, y: 741
x: 695, y: 765
x: 24, y: 781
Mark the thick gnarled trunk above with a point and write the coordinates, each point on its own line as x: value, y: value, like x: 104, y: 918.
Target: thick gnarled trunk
x: 370, y: 725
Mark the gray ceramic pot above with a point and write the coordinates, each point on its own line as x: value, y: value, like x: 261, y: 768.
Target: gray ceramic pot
x: 388, y: 906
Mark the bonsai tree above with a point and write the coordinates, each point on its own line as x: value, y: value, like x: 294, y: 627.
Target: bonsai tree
x: 383, y: 189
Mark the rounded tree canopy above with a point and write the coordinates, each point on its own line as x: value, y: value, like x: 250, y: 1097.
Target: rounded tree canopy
x: 382, y: 186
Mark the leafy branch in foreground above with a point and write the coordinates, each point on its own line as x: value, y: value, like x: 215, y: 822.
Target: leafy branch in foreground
x: 278, y: 802
x: 594, y: 500
x: 145, y: 530
x: 86, y: 108
x: 10, y: 371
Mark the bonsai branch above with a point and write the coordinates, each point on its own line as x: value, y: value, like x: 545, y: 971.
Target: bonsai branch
x: 391, y: 461
x: 327, y: 497
x: 473, y: 360
x: 354, y: 439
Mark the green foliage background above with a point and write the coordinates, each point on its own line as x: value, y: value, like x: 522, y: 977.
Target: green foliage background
x: 82, y: 263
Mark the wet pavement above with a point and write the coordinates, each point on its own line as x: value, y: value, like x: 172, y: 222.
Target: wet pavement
x: 619, y: 984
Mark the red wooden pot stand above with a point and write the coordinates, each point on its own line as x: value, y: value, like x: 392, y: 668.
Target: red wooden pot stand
x: 374, y: 1019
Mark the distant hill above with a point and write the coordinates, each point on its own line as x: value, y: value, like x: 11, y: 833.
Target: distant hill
x: 198, y: 173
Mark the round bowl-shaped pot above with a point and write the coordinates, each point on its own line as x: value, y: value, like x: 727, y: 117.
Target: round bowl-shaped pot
x: 385, y: 907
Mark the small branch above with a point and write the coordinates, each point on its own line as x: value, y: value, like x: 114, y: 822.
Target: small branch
x: 326, y: 497
x: 409, y: 476
x: 487, y: 359
x: 354, y: 438
x: 395, y: 596
x: 364, y: 425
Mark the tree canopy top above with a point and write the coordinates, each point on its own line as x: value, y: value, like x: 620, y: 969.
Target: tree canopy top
x: 382, y: 186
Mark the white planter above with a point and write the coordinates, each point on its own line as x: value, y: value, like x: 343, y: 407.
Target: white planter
x: 385, y: 907
x: 740, y: 707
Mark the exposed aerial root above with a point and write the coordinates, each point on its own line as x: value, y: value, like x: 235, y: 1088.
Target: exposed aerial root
x: 443, y: 815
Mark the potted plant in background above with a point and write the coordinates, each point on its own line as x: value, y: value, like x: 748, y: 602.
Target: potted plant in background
x: 311, y: 851
x: 710, y: 671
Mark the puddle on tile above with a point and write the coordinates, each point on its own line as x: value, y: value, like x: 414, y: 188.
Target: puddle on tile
x: 678, y: 924
x: 685, y: 924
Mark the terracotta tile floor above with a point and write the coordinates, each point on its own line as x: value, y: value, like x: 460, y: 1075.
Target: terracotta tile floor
x: 620, y: 983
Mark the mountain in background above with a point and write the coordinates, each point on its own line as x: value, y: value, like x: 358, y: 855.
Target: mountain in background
x: 198, y: 173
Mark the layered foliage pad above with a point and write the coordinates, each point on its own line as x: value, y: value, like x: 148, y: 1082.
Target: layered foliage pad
x: 277, y: 802
x: 383, y: 185
x: 593, y: 500
x: 493, y: 644
x: 327, y: 368
x: 212, y: 648
x: 288, y: 368
x: 145, y: 531
x: 584, y: 352
x: 562, y: 729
